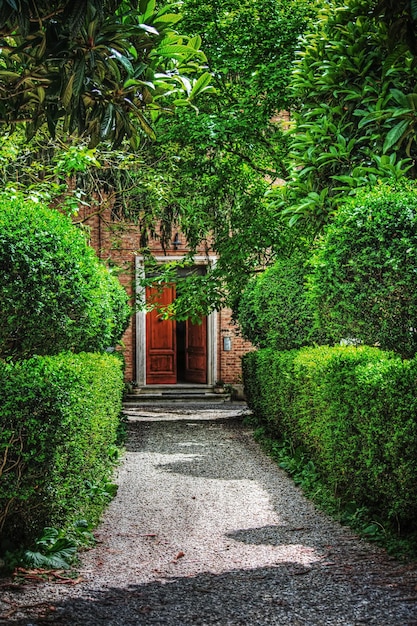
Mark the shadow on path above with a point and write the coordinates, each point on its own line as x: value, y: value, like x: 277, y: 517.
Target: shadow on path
x: 271, y: 595
x: 342, y: 581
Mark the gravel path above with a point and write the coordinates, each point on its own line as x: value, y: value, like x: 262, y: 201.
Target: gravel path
x: 205, y: 529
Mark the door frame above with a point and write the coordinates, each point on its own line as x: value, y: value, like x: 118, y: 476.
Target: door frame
x: 141, y: 322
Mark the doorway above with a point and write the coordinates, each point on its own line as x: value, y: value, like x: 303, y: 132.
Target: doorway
x: 141, y: 347
x: 176, y: 352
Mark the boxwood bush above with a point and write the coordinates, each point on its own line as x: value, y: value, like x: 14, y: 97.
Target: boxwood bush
x: 274, y: 310
x: 59, y: 422
x: 364, y: 280
x: 354, y: 410
x: 54, y: 293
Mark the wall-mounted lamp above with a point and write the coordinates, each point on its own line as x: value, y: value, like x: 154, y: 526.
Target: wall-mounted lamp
x: 227, y: 344
x: 176, y: 242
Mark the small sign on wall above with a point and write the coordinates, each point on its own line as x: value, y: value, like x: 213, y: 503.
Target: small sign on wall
x: 227, y: 344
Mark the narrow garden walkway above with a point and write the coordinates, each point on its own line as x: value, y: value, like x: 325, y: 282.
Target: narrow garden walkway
x: 205, y: 529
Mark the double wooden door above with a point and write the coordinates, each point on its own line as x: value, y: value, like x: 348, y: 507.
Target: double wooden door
x: 173, y: 356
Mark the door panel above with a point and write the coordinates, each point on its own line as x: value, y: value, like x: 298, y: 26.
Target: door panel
x: 161, y: 365
x: 196, y: 352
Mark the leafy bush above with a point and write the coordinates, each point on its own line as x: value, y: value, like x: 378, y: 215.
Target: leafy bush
x: 58, y: 429
x: 354, y: 123
x: 268, y: 386
x: 364, y: 279
x: 274, y: 311
x: 354, y: 410
x: 54, y: 293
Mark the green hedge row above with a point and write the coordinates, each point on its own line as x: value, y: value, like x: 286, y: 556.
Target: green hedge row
x: 59, y: 424
x: 354, y: 410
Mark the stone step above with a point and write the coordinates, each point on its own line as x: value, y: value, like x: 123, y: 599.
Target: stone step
x: 148, y: 398
x: 182, y: 392
x: 174, y: 393
x: 183, y: 388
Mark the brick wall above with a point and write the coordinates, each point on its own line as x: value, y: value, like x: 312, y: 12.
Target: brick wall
x: 229, y: 366
x: 118, y: 242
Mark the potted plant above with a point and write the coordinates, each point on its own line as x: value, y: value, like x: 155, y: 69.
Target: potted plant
x: 219, y: 386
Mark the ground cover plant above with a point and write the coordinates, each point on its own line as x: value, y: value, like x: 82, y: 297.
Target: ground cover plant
x: 296, y: 462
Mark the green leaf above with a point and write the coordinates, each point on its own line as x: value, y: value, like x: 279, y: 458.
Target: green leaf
x: 370, y: 117
x: 148, y: 29
x: 9, y: 75
x: 412, y: 101
x: 123, y: 60
x: 132, y: 82
x: 399, y: 97
x: 395, y: 134
x: 178, y: 51
x: 107, y: 123
x: 67, y: 94
x: 147, y: 7
x: 144, y: 124
x: 195, y: 42
x: 49, y: 536
x: 181, y: 102
x: 79, y: 72
x: 201, y: 84
x: 185, y: 83
x: 170, y: 18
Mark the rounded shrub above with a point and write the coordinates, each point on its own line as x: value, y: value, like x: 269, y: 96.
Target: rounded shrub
x: 274, y: 311
x: 363, y: 282
x: 55, y: 294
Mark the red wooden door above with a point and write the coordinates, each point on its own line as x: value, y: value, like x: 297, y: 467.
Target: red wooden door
x: 161, y: 361
x: 196, y: 352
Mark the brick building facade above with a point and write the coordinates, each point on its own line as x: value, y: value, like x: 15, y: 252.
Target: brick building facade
x: 119, y: 242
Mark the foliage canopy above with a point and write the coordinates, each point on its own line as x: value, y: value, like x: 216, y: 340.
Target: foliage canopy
x: 207, y: 173
x: 98, y: 67
x: 354, y: 115
x: 217, y: 166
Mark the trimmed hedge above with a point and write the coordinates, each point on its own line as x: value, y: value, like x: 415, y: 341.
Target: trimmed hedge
x: 363, y: 283
x: 58, y: 431
x: 274, y: 310
x: 354, y: 410
x: 55, y: 295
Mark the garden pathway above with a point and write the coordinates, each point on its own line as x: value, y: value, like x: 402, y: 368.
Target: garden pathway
x: 205, y: 529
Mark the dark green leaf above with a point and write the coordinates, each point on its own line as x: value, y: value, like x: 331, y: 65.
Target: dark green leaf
x: 396, y: 134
